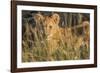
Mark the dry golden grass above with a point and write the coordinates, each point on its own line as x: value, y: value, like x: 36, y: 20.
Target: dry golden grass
x: 61, y: 45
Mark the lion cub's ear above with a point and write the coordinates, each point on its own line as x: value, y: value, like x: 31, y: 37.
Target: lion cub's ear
x: 56, y: 18
x: 38, y: 17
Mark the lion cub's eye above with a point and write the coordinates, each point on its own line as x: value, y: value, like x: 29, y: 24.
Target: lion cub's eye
x: 50, y: 27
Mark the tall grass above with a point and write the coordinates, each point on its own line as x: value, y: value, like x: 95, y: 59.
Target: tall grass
x: 35, y: 46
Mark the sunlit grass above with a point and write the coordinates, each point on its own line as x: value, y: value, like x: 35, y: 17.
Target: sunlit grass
x: 37, y: 50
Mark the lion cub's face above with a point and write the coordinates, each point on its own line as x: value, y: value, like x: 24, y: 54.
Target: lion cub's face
x: 51, y: 24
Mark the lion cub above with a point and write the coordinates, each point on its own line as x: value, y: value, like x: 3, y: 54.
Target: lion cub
x: 52, y: 30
